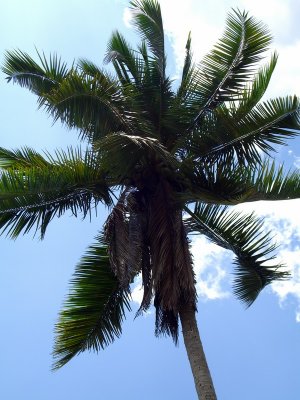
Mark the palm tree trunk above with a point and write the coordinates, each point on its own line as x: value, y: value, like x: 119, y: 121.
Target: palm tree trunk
x: 203, y: 382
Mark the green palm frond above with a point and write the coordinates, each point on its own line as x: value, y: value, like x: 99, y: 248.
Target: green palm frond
x: 33, y: 189
x: 152, y: 92
x: 143, y: 50
x: 268, y: 182
x: 40, y: 79
x: 218, y: 183
x: 241, y: 234
x: 187, y: 71
x: 255, y: 90
x: 233, y: 184
x: 225, y: 138
x: 119, y: 50
x: 145, y: 93
x: 148, y: 21
x: 224, y: 72
x: 94, y: 105
x: 90, y: 69
x: 188, y: 61
x: 94, y: 309
x: 21, y: 158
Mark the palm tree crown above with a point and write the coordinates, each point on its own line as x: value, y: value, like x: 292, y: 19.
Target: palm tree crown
x: 175, y: 159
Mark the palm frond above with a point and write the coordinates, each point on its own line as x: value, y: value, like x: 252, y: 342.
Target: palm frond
x: 223, y: 72
x: 222, y: 137
x: 213, y: 129
x: 187, y: 70
x: 33, y: 189
x: 255, y: 90
x: 93, y: 105
x: 232, y: 184
x: 119, y: 50
x: 148, y: 21
x: 22, y: 69
x: 21, y: 158
x: 219, y: 183
x: 94, y: 310
x: 268, y: 182
x: 90, y: 69
x: 241, y: 234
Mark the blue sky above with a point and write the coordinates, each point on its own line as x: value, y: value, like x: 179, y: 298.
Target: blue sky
x: 254, y: 353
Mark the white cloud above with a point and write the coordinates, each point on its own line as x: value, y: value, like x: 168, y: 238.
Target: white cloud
x: 137, y: 291
x: 275, y: 13
x: 291, y: 256
x: 127, y: 17
x: 181, y: 18
x: 286, y: 77
x: 209, y: 266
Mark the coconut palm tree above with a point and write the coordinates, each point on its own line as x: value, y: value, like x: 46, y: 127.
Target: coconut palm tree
x: 168, y: 161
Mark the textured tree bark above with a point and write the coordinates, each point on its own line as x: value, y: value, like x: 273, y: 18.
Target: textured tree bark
x: 203, y: 382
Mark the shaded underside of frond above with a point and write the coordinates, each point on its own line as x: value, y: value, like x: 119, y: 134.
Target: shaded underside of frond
x: 94, y: 105
x: 40, y: 79
x: 94, y: 309
x: 233, y: 184
x: 34, y: 188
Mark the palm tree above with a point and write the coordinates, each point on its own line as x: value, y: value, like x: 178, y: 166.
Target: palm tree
x: 168, y: 161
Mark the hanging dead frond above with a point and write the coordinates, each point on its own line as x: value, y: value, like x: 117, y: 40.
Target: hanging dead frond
x: 125, y: 237
x: 172, y: 275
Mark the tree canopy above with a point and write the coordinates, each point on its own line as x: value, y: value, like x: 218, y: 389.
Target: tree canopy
x: 166, y: 160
